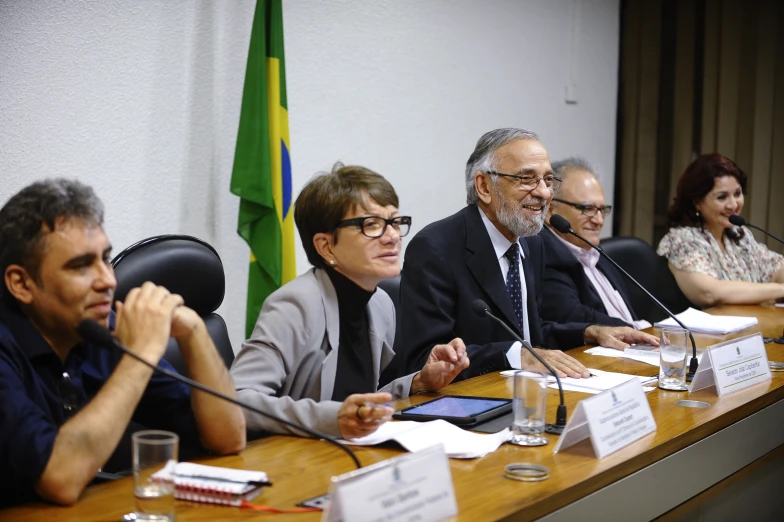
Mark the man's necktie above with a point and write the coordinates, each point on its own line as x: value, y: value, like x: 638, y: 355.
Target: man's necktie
x: 513, y: 283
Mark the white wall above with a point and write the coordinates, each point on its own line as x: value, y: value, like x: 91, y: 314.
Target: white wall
x: 141, y: 100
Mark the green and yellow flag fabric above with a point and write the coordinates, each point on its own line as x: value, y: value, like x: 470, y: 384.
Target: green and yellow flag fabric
x: 262, y: 166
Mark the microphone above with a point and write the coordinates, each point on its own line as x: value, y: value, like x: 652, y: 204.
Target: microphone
x: 93, y: 332
x: 739, y: 221
x: 480, y: 308
x: 563, y: 226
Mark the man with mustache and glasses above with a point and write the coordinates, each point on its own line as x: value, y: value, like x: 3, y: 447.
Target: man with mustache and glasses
x: 490, y: 250
x: 580, y: 285
x: 65, y: 404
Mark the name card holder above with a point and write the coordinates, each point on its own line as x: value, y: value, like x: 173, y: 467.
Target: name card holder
x: 733, y: 365
x: 416, y: 486
x: 612, y: 419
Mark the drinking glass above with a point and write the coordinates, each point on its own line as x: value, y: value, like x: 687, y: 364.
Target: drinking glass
x: 673, y: 352
x: 529, y: 404
x: 152, y: 450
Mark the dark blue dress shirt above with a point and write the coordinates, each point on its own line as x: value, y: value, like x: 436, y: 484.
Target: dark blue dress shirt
x: 38, y: 393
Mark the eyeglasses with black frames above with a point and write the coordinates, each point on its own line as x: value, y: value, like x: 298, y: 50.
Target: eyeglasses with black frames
x: 587, y: 210
x: 529, y: 182
x: 376, y: 226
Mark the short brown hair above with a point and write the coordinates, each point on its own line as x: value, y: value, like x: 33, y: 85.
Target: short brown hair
x: 329, y: 196
x: 32, y: 213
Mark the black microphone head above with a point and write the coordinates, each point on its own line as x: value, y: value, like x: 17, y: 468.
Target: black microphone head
x: 560, y: 223
x: 92, y: 331
x: 737, y: 220
x: 480, y: 307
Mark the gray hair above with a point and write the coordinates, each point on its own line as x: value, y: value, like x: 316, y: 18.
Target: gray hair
x: 565, y: 166
x: 33, y: 212
x: 483, y: 157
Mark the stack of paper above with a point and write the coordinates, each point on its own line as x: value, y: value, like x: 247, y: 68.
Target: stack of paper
x: 644, y: 356
x: 598, y: 382
x: 414, y: 436
x: 651, y: 357
x: 697, y: 321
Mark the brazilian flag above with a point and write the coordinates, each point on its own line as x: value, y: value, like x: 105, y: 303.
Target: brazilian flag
x: 261, y: 176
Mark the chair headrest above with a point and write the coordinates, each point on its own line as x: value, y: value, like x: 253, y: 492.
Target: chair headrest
x: 183, y: 265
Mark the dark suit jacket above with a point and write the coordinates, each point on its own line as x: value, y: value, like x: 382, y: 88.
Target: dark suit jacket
x: 448, y: 265
x: 568, y: 293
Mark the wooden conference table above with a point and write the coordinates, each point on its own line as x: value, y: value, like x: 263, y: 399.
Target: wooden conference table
x: 690, y: 456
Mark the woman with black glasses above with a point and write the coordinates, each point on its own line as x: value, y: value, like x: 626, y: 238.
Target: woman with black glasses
x: 322, y: 341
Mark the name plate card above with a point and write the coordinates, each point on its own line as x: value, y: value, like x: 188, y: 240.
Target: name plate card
x: 612, y: 419
x: 416, y: 486
x: 733, y: 365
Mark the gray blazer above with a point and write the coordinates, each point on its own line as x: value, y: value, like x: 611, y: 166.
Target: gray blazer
x: 288, y: 366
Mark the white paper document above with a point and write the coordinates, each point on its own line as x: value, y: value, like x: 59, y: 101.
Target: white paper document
x: 651, y: 358
x: 596, y: 383
x: 698, y: 321
x: 644, y: 356
x: 415, y: 436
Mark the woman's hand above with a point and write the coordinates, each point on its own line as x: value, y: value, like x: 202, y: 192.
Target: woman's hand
x: 362, y: 413
x: 443, y: 365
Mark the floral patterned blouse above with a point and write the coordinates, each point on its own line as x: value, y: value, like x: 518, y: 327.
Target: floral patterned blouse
x: 694, y: 249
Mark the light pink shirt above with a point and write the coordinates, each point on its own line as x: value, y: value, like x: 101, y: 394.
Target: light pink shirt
x: 611, y: 299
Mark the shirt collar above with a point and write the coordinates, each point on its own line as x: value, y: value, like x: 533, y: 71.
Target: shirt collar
x: 500, y: 243
x: 587, y: 258
x: 28, y: 338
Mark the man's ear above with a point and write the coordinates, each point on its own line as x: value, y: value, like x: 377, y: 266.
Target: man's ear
x: 323, y: 242
x: 19, y: 283
x: 482, y: 186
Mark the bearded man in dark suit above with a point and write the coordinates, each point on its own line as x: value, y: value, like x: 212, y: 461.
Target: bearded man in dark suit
x: 489, y: 250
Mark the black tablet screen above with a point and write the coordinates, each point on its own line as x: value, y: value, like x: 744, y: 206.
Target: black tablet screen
x: 456, y: 407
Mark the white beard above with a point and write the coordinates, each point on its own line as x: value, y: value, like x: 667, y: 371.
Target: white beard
x: 515, y: 219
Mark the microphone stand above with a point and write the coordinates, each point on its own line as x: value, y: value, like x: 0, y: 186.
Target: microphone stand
x: 88, y: 329
x: 566, y: 228
x: 739, y: 221
x: 481, y: 308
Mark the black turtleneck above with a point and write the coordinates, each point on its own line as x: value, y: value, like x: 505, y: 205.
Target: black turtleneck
x: 355, y: 364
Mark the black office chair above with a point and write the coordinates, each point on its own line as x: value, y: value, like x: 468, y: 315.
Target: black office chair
x: 186, y: 266
x: 643, y: 263
x: 390, y: 373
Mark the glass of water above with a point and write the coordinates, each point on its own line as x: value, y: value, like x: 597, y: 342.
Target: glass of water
x: 152, y: 450
x: 529, y: 404
x: 673, y: 352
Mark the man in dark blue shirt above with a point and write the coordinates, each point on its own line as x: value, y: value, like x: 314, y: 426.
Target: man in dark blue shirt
x: 64, y: 403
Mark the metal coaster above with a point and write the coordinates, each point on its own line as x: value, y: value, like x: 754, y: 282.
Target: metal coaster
x: 776, y: 366
x: 542, y: 442
x: 693, y: 404
x: 526, y: 472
